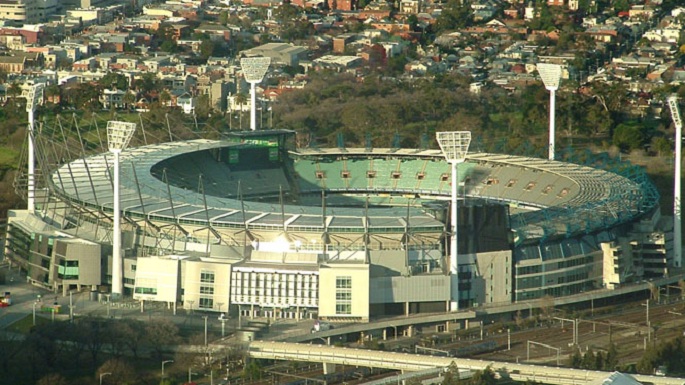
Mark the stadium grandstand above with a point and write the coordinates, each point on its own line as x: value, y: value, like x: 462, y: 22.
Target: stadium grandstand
x: 247, y: 222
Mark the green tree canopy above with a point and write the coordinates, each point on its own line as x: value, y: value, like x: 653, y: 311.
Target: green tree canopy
x: 455, y: 15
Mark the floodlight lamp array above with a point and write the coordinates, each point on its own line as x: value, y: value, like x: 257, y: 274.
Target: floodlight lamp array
x: 675, y: 111
x: 550, y: 74
x: 454, y: 145
x: 34, y: 97
x: 254, y: 68
x: 119, y: 134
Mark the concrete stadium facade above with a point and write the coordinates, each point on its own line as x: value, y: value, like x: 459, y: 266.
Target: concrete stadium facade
x: 252, y: 224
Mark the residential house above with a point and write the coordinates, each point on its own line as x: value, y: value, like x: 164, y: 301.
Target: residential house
x: 410, y: 6
x: 187, y: 102
x: 215, y: 32
x: 216, y: 88
x: 112, y: 98
x: 32, y: 34
x: 153, y: 64
x: 84, y: 64
x: 644, y: 12
x: 342, y: 5
x: 12, y: 64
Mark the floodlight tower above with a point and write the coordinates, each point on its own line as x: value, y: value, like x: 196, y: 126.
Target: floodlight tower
x: 551, y: 75
x: 254, y: 69
x: 454, y: 146
x: 34, y: 97
x: 677, y: 226
x: 118, y: 136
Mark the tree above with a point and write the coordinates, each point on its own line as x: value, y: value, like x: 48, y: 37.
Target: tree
x: 164, y: 97
x: 115, y: 80
x: 611, y: 360
x: 253, y: 370
x: 53, y: 379
x: 588, y: 360
x: 147, y: 83
x: 206, y: 49
x: 455, y: 15
x: 169, y: 46
x: 546, y: 305
x: 628, y: 136
x: 223, y: 17
x: 484, y: 377
x: 14, y: 90
x: 451, y: 375
x: 576, y: 360
x: 159, y: 335
x: 129, y: 99
x: 124, y: 372
x: 53, y: 91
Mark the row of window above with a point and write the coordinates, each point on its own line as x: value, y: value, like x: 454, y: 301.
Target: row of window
x: 343, y: 295
x: 372, y: 174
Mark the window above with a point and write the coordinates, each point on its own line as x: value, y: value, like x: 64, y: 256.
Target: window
x: 396, y: 175
x: 343, y: 283
x: 345, y: 175
x: 444, y: 177
x: 421, y: 176
x: 207, y: 276
x: 68, y: 270
x: 207, y: 290
x: 146, y: 290
x: 320, y: 175
x: 343, y: 295
x: 206, y: 303
x: 370, y: 174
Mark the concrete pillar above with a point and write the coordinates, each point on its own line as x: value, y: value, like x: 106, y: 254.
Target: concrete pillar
x: 406, y: 309
x: 385, y: 334
x: 328, y: 368
x: 447, y: 326
x: 466, y: 324
x: 410, y: 331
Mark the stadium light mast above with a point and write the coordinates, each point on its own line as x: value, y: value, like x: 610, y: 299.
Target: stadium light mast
x: 454, y: 146
x: 118, y: 136
x: 551, y: 76
x: 254, y: 69
x: 34, y: 97
x: 677, y: 217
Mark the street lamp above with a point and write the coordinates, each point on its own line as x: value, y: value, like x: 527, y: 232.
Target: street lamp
x: 205, y: 317
x: 223, y: 319
x: 551, y: 76
x: 118, y: 136
x: 677, y: 226
x: 102, y: 375
x: 34, y: 97
x: 163, y: 363
x: 254, y: 69
x: 454, y: 146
